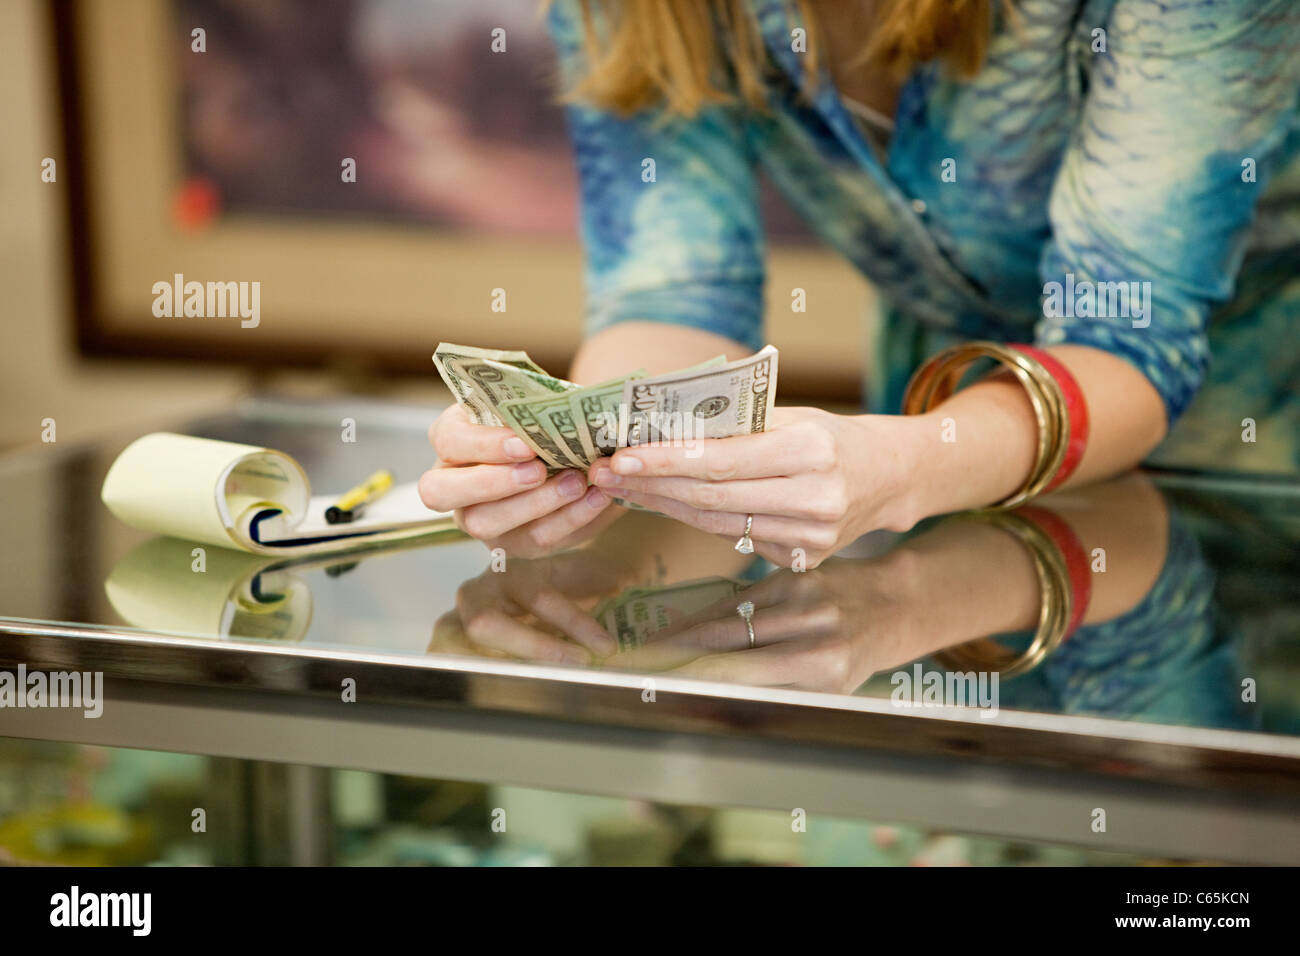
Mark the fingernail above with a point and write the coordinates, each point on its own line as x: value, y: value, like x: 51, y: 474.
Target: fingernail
x: 571, y: 485
x: 603, y: 476
x: 529, y: 472
x: 596, y: 498
x: 627, y: 465
x: 515, y: 448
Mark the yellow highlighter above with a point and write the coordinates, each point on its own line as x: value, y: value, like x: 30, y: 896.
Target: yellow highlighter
x: 350, y: 506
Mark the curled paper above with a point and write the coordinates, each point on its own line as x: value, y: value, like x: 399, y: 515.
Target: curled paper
x: 250, y: 498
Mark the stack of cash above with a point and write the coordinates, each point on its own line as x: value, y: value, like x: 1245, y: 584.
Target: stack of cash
x: 570, y: 426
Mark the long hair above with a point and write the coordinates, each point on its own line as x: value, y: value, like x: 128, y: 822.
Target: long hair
x: 668, y: 53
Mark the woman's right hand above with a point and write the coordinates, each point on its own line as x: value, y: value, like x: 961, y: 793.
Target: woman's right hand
x: 499, y: 491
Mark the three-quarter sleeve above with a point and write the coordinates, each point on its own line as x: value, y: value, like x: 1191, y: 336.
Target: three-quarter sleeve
x: 669, y: 213
x: 1184, y: 115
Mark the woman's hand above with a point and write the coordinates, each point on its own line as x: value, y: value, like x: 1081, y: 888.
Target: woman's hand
x: 535, y: 610
x: 499, y: 491
x: 813, y: 481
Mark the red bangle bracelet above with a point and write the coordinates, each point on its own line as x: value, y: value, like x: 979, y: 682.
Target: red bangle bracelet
x: 1076, y: 560
x: 1076, y: 410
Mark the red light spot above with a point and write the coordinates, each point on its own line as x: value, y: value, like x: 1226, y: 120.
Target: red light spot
x: 195, y: 204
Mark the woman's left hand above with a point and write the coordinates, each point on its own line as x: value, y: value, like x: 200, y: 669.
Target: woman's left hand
x: 813, y: 481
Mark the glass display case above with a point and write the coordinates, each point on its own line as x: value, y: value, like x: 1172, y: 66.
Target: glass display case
x: 421, y: 705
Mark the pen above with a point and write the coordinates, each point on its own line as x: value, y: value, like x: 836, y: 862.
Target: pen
x: 353, y: 502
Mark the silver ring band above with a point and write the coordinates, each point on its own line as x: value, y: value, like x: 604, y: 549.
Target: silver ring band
x: 745, y: 545
x: 746, y: 611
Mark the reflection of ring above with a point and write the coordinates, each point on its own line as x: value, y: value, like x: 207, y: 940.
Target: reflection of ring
x: 745, y: 545
x: 746, y: 610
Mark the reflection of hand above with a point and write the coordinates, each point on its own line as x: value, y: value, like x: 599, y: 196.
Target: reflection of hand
x: 808, y: 633
x: 814, y: 481
x: 831, y: 628
x: 532, y: 610
x: 499, y: 490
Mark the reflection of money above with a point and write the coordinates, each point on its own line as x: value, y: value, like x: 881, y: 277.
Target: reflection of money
x: 716, y: 402
x: 631, y: 617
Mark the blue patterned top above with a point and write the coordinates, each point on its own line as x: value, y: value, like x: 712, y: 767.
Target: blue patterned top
x: 1105, y: 142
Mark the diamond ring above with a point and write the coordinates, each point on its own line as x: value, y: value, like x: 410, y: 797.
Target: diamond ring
x: 746, y: 610
x: 745, y: 545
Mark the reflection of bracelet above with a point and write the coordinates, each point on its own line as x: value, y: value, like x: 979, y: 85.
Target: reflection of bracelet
x: 1054, y: 394
x: 1071, y: 550
x: 1055, y: 616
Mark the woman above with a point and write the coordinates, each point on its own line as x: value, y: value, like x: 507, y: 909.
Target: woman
x: 1116, y: 181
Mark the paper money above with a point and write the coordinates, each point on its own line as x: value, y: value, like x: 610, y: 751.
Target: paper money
x: 735, y: 398
x: 482, y: 379
x: 521, y: 418
x: 596, y: 409
x: 636, y: 614
x: 556, y: 417
x: 568, y: 426
x: 574, y: 422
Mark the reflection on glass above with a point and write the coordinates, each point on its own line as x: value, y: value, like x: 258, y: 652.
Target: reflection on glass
x: 1097, y: 601
x: 1129, y: 632
x: 181, y: 587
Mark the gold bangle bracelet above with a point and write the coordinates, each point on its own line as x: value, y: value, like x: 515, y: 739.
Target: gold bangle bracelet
x: 1043, y: 392
x: 936, y: 381
x: 1058, y: 428
x: 1055, y: 609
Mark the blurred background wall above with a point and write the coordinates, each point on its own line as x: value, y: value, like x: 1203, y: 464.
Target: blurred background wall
x: 41, y: 374
x: 224, y: 165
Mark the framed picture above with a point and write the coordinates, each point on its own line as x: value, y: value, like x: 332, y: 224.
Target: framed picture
x: 349, y: 182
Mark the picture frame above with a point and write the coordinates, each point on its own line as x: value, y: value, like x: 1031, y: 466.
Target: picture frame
x: 336, y: 291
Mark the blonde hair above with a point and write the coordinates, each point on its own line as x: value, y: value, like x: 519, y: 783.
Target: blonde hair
x: 668, y: 53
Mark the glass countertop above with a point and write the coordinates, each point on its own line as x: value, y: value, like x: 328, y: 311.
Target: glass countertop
x: 1192, y: 622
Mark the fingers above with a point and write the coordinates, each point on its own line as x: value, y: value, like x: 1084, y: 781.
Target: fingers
x: 797, y: 661
x: 447, y: 489
x: 814, y: 497
x: 458, y: 441
x: 493, y: 629
x: 586, y: 573
x: 764, y: 455
x: 728, y: 632
x: 558, y: 611
x: 568, y: 525
x: 812, y: 536
x: 526, y: 587
x: 449, y: 636
x: 495, y: 518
